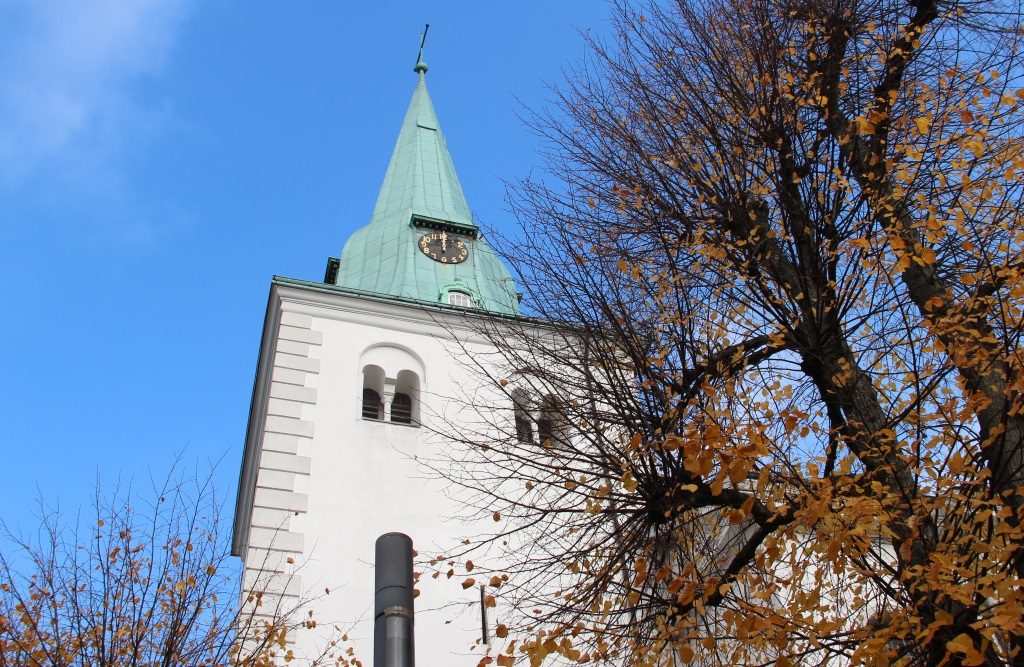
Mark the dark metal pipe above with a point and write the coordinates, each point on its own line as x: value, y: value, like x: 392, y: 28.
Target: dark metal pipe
x: 393, y: 639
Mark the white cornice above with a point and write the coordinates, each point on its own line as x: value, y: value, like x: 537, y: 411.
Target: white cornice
x: 466, y: 326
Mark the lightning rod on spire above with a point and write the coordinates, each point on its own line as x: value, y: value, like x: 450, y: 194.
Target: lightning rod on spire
x: 421, y: 66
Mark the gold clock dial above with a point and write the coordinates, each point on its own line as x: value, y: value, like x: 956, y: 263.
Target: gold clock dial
x: 443, y: 247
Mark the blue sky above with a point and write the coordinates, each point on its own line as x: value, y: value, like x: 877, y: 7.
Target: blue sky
x: 160, y: 160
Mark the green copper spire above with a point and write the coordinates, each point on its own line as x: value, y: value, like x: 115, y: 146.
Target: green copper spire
x: 421, y: 194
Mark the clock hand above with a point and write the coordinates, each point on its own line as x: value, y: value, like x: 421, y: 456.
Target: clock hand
x: 444, y: 242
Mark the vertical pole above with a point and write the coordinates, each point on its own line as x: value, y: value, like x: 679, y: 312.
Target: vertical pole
x: 393, y: 640
x: 484, y: 635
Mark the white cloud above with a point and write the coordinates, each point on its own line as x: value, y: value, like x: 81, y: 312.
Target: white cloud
x: 67, y: 69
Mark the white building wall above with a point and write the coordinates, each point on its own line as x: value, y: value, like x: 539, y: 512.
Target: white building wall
x: 329, y: 482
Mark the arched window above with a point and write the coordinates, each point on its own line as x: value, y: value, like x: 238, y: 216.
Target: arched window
x: 524, y: 429
x: 373, y: 390
x: 545, y: 429
x: 401, y: 408
x: 549, y: 423
x: 405, y: 406
x: 373, y: 407
x: 394, y: 375
x: 457, y: 298
x: 524, y: 426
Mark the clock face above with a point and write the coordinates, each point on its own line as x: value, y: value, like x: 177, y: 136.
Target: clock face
x: 443, y: 247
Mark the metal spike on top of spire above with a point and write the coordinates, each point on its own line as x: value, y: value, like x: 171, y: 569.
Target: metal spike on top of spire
x: 421, y: 67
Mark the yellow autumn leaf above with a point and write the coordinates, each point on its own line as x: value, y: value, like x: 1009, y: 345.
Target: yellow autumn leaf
x: 864, y: 126
x: 963, y: 644
x: 628, y: 482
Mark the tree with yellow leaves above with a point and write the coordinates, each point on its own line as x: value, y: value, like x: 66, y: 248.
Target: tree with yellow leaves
x: 774, y: 406
x: 146, y: 581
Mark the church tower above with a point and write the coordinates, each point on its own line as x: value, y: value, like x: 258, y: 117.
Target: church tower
x: 355, y: 375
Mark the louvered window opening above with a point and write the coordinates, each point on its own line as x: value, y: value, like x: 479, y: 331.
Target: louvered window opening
x: 373, y: 408
x: 546, y: 431
x: 401, y: 409
x: 524, y: 429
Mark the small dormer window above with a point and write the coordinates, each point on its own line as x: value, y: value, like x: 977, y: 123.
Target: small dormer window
x: 457, y: 298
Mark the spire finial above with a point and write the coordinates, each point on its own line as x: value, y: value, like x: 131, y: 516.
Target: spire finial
x: 421, y: 67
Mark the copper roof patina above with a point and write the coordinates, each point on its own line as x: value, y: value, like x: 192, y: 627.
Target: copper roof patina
x: 420, y: 190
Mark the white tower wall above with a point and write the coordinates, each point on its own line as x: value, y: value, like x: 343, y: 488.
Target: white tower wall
x: 320, y: 483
